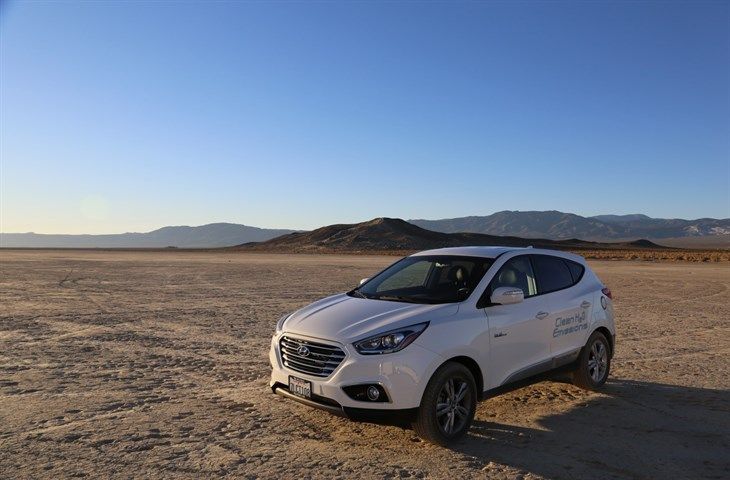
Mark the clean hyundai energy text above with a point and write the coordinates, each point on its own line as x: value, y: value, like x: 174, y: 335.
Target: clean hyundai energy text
x: 422, y: 341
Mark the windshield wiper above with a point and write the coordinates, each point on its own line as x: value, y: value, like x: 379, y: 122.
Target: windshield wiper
x: 397, y: 298
x: 358, y: 293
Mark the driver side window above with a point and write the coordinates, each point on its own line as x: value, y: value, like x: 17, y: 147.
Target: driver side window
x: 517, y: 273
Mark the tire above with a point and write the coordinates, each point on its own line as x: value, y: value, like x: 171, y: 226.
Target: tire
x: 442, y: 417
x: 589, y: 374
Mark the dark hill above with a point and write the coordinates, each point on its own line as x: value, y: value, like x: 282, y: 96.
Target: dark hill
x: 392, y: 234
x: 643, y: 243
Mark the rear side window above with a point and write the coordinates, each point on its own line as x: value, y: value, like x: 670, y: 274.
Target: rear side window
x: 576, y: 270
x: 552, y: 273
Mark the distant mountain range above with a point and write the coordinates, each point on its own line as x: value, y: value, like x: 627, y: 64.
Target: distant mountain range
x: 558, y: 225
x: 205, y: 236
x: 547, y: 225
x: 393, y: 234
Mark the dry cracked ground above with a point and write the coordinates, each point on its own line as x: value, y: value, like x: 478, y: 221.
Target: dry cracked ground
x: 154, y: 364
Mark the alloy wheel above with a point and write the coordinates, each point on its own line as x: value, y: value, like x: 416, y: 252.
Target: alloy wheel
x: 453, y: 406
x: 598, y: 361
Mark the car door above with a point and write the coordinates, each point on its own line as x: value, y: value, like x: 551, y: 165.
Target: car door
x: 518, y: 333
x: 558, y: 281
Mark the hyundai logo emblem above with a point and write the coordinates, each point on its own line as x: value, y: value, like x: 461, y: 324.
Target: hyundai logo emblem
x: 303, y: 351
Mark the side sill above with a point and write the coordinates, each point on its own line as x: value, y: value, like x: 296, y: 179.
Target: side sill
x: 534, y: 373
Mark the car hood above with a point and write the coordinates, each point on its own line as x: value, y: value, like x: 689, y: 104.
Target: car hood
x: 345, y: 319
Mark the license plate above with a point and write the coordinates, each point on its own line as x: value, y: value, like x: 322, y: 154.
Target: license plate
x: 302, y: 388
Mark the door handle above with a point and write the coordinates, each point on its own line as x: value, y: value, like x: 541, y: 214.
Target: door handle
x: 541, y: 315
x: 585, y: 304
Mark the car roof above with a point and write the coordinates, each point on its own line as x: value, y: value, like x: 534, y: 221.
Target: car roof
x: 495, y: 251
x: 486, y: 252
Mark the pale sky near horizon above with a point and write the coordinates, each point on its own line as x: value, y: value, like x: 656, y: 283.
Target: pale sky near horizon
x: 129, y: 116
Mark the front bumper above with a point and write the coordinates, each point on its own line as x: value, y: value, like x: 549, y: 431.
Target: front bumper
x: 316, y: 402
x: 395, y: 417
x: 403, y: 375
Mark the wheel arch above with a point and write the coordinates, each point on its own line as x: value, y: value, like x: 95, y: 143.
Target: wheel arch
x: 607, y: 333
x: 473, y: 367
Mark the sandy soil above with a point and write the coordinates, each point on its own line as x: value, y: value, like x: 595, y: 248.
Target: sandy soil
x: 137, y: 364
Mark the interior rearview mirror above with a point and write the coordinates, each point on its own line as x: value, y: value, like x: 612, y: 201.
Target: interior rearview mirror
x: 364, y: 280
x: 507, y: 296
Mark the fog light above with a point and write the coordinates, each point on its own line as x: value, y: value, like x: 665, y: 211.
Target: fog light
x: 366, y: 392
x: 373, y: 393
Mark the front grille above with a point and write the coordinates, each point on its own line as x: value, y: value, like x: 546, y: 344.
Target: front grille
x: 320, y: 361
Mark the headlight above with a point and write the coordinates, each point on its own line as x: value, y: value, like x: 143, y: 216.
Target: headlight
x: 389, y: 342
x: 280, y: 323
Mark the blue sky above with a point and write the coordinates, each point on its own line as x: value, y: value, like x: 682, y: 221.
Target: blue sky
x: 133, y: 115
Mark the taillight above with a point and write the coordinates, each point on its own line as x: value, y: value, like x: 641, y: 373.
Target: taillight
x: 607, y: 292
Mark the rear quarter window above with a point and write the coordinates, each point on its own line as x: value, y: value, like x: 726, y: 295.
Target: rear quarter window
x: 576, y: 270
x: 552, y: 273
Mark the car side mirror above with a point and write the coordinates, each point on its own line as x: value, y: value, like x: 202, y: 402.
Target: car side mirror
x: 364, y: 280
x: 507, y: 296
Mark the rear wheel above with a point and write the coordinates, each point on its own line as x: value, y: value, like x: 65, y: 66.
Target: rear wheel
x: 448, y: 405
x: 594, y: 363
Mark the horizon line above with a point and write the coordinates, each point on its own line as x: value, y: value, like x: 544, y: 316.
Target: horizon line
x: 129, y: 232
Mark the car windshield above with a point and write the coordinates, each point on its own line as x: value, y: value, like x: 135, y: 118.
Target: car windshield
x: 426, y: 279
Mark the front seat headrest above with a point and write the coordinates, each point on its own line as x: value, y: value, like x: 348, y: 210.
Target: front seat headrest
x: 458, y: 274
x: 508, y: 277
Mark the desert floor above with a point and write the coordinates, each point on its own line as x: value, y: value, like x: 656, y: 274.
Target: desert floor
x: 154, y: 364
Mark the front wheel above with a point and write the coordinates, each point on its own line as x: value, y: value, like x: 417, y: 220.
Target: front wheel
x: 448, y: 405
x: 594, y: 363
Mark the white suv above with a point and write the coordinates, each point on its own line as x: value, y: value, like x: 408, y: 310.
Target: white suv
x: 427, y: 337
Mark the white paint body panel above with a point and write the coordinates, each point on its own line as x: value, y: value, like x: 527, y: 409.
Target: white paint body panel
x: 518, y: 338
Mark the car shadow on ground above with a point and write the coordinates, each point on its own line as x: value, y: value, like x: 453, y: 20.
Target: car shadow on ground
x: 631, y: 429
